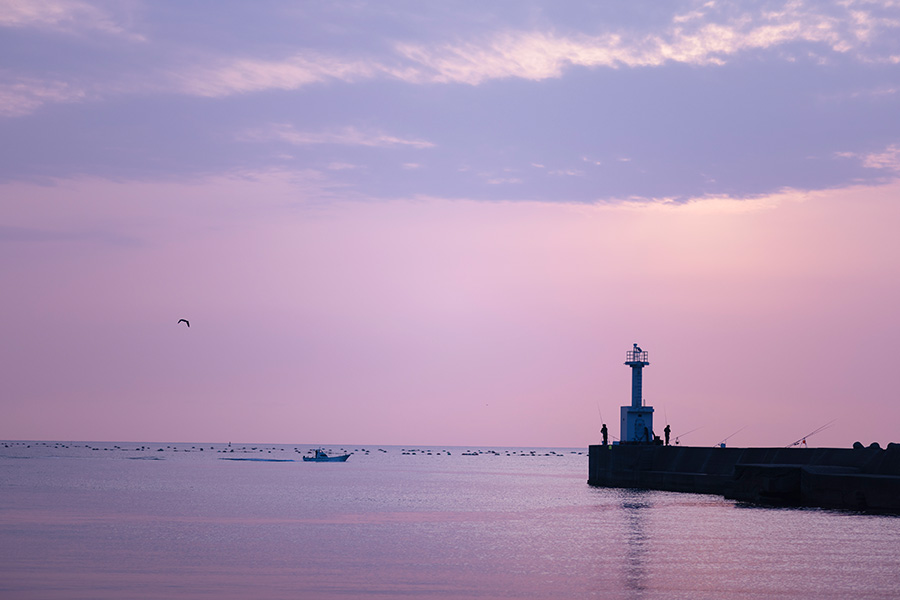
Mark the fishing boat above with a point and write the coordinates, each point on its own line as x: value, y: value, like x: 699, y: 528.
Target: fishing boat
x: 322, y: 456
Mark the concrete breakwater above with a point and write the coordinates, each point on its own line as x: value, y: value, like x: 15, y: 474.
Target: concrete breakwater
x: 859, y: 478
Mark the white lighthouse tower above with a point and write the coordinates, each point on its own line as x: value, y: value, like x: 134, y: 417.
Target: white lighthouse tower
x: 637, y: 419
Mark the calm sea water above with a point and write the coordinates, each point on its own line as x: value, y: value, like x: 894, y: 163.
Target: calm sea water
x: 101, y: 520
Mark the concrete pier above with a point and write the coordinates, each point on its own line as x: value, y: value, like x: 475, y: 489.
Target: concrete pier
x: 847, y: 478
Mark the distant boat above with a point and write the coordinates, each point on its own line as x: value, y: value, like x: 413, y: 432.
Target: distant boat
x: 321, y: 456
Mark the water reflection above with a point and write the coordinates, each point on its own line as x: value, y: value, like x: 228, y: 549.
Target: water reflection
x: 79, y: 525
x: 635, y: 505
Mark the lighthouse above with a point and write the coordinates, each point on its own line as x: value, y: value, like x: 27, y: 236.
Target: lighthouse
x: 637, y: 419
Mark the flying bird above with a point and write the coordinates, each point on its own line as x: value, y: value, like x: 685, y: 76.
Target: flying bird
x: 185, y: 321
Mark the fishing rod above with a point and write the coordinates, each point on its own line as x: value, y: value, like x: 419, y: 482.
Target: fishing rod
x: 722, y: 443
x: 602, y: 422
x: 814, y: 432
x: 678, y: 437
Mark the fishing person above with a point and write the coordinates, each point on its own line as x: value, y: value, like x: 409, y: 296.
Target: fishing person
x: 668, y: 432
x: 604, y: 433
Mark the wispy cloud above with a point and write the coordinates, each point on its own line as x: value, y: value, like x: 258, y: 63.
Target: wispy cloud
x: 341, y: 166
x: 879, y: 92
x: 24, y: 96
x: 566, y: 173
x: 251, y: 75
x: 69, y: 16
x: 348, y: 136
x: 708, y: 35
x: 699, y: 38
x: 712, y: 204
x: 888, y: 159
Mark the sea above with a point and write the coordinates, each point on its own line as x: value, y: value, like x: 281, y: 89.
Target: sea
x: 101, y: 520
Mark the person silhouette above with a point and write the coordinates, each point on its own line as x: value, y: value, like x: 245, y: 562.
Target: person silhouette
x: 604, y: 432
x: 668, y: 432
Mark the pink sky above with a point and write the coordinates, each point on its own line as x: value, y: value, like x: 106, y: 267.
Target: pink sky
x: 448, y: 322
x: 411, y: 237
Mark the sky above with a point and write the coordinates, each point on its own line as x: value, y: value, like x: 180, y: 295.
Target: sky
x: 445, y: 223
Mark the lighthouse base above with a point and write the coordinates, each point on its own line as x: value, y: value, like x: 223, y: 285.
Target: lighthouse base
x: 637, y: 425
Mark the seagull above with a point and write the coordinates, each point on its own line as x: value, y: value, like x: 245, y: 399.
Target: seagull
x: 185, y: 321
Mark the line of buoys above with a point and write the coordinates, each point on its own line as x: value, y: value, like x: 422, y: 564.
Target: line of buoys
x: 257, y: 449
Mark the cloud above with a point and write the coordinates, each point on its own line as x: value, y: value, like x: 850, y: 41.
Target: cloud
x: 697, y: 38
x: 69, y: 16
x: 348, y: 136
x: 707, y: 35
x: 713, y: 204
x: 879, y: 92
x: 888, y: 159
x: 251, y: 75
x: 340, y: 166
x: 24, y: 96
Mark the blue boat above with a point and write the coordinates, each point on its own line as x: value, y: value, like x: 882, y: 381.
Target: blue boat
x: 321, y: 456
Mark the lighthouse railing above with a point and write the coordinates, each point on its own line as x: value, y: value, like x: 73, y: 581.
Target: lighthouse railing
x: 636, y: 356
